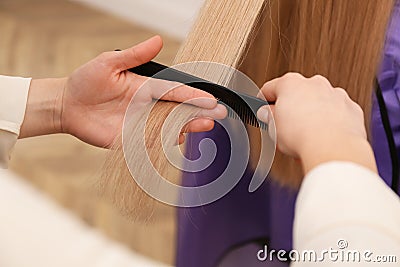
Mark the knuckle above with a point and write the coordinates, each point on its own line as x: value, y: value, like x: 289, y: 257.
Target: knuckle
x: 321, y: 79
x: 358, y: 108
x: 171, y: 94
x: 193, y: 93
x: 289, y: 79
x: 292, y: 75
x: 263, y: 89
x: 342, y: 92
x: 135, y: 55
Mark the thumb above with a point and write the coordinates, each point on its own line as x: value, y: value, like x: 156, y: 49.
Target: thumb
x: 265, y: 113
x: 136, y: 55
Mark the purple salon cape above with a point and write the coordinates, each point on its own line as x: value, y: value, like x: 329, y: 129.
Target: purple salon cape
x: 230, y: 231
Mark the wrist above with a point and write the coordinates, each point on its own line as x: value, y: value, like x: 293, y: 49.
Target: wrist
x: 43, y: 108
x: 340, y: 148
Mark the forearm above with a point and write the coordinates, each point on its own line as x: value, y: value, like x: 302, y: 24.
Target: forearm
x: 339, y: 148
x: 43, y: 108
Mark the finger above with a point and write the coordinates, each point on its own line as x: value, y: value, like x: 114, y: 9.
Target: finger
x: 269, y: 91
x: 218, y: 113
x: 272, y: 89
x: 196, y: 126
x: 136, y: 55
x: 342, y: 92
x: 321, y: 80
x: 187, y: 94
x: 181, y: 139
x: 176, y: 92
x: 266, y: 113
x: 260, y: 95
x: 199, y: 125
x: 263, y: 114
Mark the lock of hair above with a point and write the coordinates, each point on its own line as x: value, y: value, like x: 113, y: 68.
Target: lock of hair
x: 221, y: 34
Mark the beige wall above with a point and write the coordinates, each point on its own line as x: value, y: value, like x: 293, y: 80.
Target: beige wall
x: 172, y: 17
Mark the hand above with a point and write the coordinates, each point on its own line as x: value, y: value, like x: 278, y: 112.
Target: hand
x: 315, y: 121
x: 98, y: 93
x: 91, y: 103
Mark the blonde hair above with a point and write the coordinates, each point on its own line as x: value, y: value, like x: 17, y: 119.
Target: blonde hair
x: 339, y: 39
x: 220, y: 34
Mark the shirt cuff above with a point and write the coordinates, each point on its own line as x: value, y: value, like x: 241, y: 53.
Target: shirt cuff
x: 13, y: 98
x: 7, y: 142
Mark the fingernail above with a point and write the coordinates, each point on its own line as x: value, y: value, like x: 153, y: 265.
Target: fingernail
x: 262, y: 114
x: 222, y: 111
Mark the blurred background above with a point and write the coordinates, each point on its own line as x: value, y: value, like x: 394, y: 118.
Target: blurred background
x: 50, y: 38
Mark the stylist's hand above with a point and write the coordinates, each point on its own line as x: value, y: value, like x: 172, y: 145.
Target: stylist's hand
x: 316, y: 122
x: 97, y: 95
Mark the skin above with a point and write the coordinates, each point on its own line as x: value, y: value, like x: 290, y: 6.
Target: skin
x: 90, y: 104
x: 316, y: 122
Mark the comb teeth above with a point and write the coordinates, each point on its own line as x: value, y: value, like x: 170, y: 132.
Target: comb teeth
x: 238, y: 112
x: 240, y: 106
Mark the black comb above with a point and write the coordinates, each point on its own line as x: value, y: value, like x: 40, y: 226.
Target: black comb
x: 244, y: 105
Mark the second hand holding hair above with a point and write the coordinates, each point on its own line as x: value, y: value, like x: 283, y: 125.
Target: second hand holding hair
x: 316, y: 122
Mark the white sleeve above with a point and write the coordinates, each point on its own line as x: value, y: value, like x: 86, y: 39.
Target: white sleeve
x: 13, y: 98
x: 35, y: 231
x: 345, y: 207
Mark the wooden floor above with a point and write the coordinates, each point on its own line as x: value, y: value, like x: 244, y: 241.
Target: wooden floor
x: 50, y: 38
